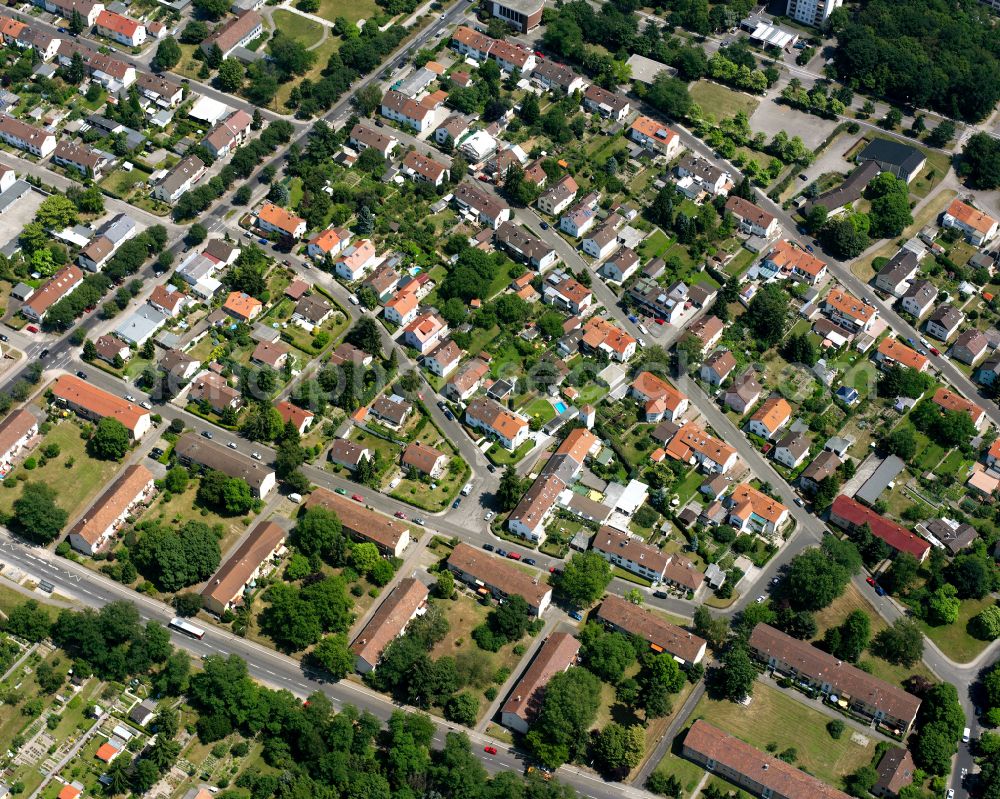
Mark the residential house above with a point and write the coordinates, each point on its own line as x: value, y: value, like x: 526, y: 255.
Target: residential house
x: 518, y: 242
x: 555, y: 199
x: 311, y: 312
x: 717, y: 367
x: 557, y: 653
x: 621, y: 266
x: 753, y: 511
x: 383, y: 281
x: 86, y: 160
x: 698, y: 177
x: 567, y: 293
x: 362, y: 137
x: 823, y: 465
x: 94, y: 404
x: 865, y: 694
x: 179, y: 179
x: 423, y: 168
x: 533, y: 511
x: 757, y: 772
x: 660, y: 400
x: 105, y: 244
x: 169, y: 300
x: 161, y: 91
x: 581, y: 217
x: 489, y: 209
x: 508, y: 428
x: 110, y: 348
x: 229, y: 134
x: 752, y: 219
x: 970, y: 346
x: 242, y: 306
x: 253, y: 559
x: 423, y: 459
x: 552, y: 76
x: 412, y: 113
x: 952, y: 401
x: 770, y: 418
x: 26, y: 137
x: 348, y: 454
x: 797, y: 263
x: 301, y: 418
x: 275, y: 355
x: 659, y: 634
x: 391, y: 411
x: 466, y: 381
x: 651, y: 298
x: 607, y: 104
x: 744, y: 393
x: 356, y: 260
x: 918, y: 298
x: 405, y: 602
x: 792, y: 449
x: 893, y: 352
x: 894, y: 278
x: 848, y: 311
x: 691, y: 444
x: 951, y: 534
x: 945, y: 321
x: 630, y: 553
x: 179, y: 365
x: 499, y: 577
x: 978, y: 227
x: 454, y: 128
x: 275, y: 219
x: 131, y: 489
x: 600, y: 334
x: 850, y: 515
x: 425, y: 332
x: 215, y: 390
x: 707, y: 331
x: 651, y: 133
x: 192, y: 449
x: 444, y: 359
x: 17, y: 434
x: 120, y: 28
x: 604, y: 239
x: 238, y: 31
x: 895, y: 771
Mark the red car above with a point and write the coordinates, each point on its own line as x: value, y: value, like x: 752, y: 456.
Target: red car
x: 935, y: 350
x: 870, y: 581
x: 490, y: 750
x: 514, y: 555
x: 399, y: 514
x: 661, y: 321
x: 552, y: 569
x: 31, y: 329
x: 357, y: 497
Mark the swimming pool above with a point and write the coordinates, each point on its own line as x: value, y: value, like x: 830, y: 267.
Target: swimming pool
x: 560, y: 407
x: 415, y: 270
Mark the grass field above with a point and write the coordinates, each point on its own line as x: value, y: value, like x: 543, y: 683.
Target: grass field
x: 304, y: 30
x: 852, y: 600
x: 353, y: 11
x: 689, y: 774
x: 323, y: 53
x: 954, y: 639
x: 719, y: 101
x: 540, y: 408
x: 181, y: 509
x: 773, y: 717
x: 74, y: 475
x: 655, y: 245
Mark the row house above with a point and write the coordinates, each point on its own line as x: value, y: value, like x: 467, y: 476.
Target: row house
x: 850, y: 515
x: 552, y: 77
x: 556, y: 655
x: 160, y: 90
x: 180, y: 179
x: 407, y: 111
x: 60, y: 285
x: 238, y: 31
x: 662, y: 303
x: 255, y: 558
x: 493, y: 576
x: 88, y: 9
x: 17, y: 434
x: 86, y: 160
x: 110, y: 236
x: 94, y: 404
x: 193, y: 450
x: 363, y: 137
x: 480, y: 47
x: 659, y: 634
x: 404, y: 603
x: 131, y: 490
x: 950, y: 400
x: 37, y: 141
x: 360, y: 524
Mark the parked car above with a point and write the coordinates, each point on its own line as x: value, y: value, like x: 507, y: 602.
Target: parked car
x: 31, y: 329
x: 146, y: 404
x: 81, y: 374
x: 156, y: 453
x: 760, y: 599
x: 545, y: 225
x: 530, y: 561
x: 502, y: 553
x: 488, y: 547
x: 514, y: 555
x: 255, y: 456
x: 340, y: 491
x: 870, y: 581
x: 879, y: 590
x: 491, y: 469
x: 206, y: 433
x: 418, y: 520
x: 576, y: 615
x: 456, y: 503
x: 357, y: 497
x: 130, y: 398
x: 660, y: 594
x: 488, y: 515
x: 231, y: 444
x: 490, y: 750
x: 399, y: 514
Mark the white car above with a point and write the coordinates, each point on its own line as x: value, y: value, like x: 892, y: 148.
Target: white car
x: 255, y: 456
x: 145, y: 404
x: 641, y: 342
x: 130, y: 398
x: 231, y: 445
x: 760, y: 599
x: 489, y: 515
x: 951, y: 793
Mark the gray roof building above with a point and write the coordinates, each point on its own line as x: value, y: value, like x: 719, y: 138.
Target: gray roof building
x: 873, y: 487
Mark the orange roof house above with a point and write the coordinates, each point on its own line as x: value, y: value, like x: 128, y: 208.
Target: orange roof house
x: 600, y: 334
x: 844, y: 308
x: 892, y: 351
x: 770, y: 417
x: 649, y: 131
x: 275, y: 219
x: 796, y: 261
x: 242, y: 306
x: 661, y: 400
x: 107, y: 752
x: 951, y: 401
x: 68, y: 792
x: 693, y: 443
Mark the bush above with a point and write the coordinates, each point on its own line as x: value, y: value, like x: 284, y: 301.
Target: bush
x: 835, y: 728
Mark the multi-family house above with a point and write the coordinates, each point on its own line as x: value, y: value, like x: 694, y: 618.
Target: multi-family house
x: 275, y: 219
x: 555, y: 199
x: 918, y: 299
x: 848, y: 311
x: 977, y: 226
x: 752, y: 511
x: 770, y: 418
x: 518, y: 242
x: 489, y: 209
x: 895, y: 276
x: 651, y: 133
x: 179, y: 179
x: 945, y: 321
x: 607, y: 104
x: 603, y: 240
x: 581, y: 217
x: 238, y: 31
x: 509, y: 429
x: 120, y: 28
x: 752, y: 219
x: 796, y: 262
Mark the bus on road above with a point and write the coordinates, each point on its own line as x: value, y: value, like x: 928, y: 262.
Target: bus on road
x: 187, y: 628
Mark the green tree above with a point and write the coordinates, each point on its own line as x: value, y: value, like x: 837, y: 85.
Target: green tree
x: 36, y: 514
x: 902, y: 643
x: 230, y: 76
x: 814, y: 580
x: 619, y: 749
x: 510, y: 489
x: 569, y: 707
x: 901, y: 575
x: 110, y: 441
x: 462, y: 708
x: 334, y: 655
x: 767, y: 314
x: 175, y: 558
x: 584, y: 578
x: 444, y: 587
x: 980, y: 162
x: 28, y: 620
x: 168, y: 55
x: 212, y: 9
x: 57, y: 212
x: 319, y: 532
x: 607, y: 654
x: 176, y: 480
x: 861, y: 782
x: 985, y: 625
x: 364, y: 556
x: 851, y: 638
x: 737, y: 674
x: 943, y: 605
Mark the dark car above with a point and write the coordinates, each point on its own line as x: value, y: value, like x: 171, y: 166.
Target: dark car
x: 530, y: 561
x: 660, y: 594
x: 81, y: 374
x: 502, y: 553
x: 457, y: 502
x: 576, y: 615
x: 156, y: 453
x: 206, y: 433
x: 488, y: 547
x: 492, y: 469
x: 3, y: 337
x: 44, y: 353
x: 449, y: 415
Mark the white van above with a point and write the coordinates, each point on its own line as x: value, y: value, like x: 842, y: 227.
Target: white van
x: 467, y: 489
x: 355, y: 300
x: 966, y: 735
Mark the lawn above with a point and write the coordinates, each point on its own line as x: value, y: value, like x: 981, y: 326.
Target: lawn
x: 774, y: 717
x: 719, y: 101
x: 851, y: 600
x: 739, y: 263
x: 655, y: 245
x: 687, y: 487
x: 323, y: 53
x: 689, y: 774
x: 502, y: 457
x: 304, y: 30
x: 180, y: 509
x: 954, y: 639
x: 10, y: 599
x: 352, y: 12
x: 120, y: 183
x: 539, y: 408
x: 75, y: 476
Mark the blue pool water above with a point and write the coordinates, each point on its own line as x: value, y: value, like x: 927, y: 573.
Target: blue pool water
x: 414, y: 271
x: 560, y: 407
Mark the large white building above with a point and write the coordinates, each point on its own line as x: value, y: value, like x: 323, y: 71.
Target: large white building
x: 812, y: 12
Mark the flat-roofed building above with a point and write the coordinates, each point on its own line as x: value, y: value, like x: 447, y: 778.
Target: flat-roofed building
x: 499, y: 577
x: 253, y: 559
x: 133, y: 488
x: 390, y: 536
x: 866, y: 695
x: 557, y: 653
x: 524, y: 15
x: 192, y: 449
x: 406, y: 601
